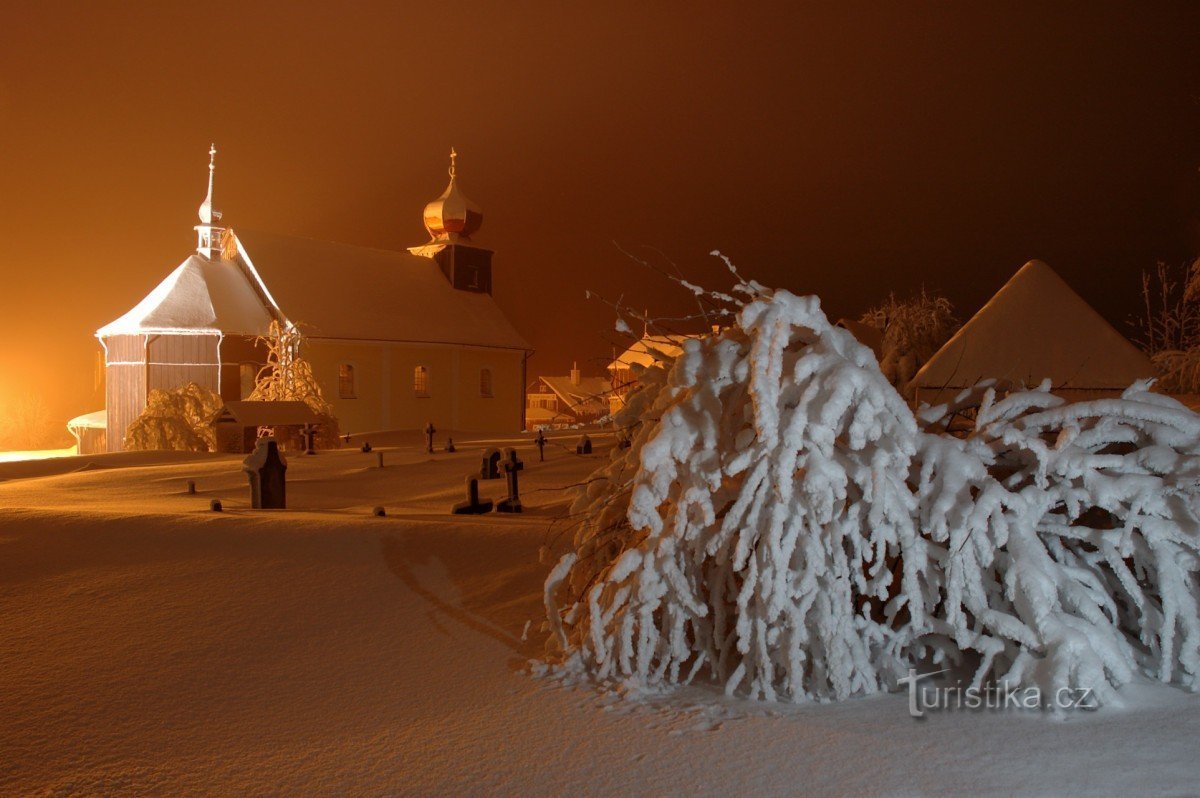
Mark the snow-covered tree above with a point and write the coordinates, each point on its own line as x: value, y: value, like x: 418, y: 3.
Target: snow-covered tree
x: 1170, y: 326
x: 287, y: 376
x: 784, y: 524
x: 913, y: 330
x: 179, y: 419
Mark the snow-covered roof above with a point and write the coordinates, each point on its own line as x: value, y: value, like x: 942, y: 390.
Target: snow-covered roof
x: 649, y: 350
x: 266, y: 413
x: 343, y: 291
x: 591, y: 394
x: 95, y: 420
x: 1033, y: 328
x: 201, y: 296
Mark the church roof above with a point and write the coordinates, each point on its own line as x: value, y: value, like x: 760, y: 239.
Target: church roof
x: 202, y: 296
x: 1033, y: 328
x: 342, y: 291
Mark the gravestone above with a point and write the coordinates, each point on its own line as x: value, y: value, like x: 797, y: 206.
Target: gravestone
x: 512, y: 466
x: 429, y: 430
x: 472, y: 506
x: 540, y: 440
x: 310, y: 438
x: 191, y: 487
x: 378, y: 512
x: 584, y: 446
x: 490, y: 467
x: 380, y: 456
x: 215, y: 505
x: 366, y: 447
x: 266, y: 468
x: 450, y: 445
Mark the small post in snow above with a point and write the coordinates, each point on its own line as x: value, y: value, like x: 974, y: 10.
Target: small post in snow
x: 540, y: 440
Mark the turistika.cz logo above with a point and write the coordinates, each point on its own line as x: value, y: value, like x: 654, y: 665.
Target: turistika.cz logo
x: 924, y: 698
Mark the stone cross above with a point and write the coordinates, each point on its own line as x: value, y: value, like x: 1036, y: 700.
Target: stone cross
x: 266, y: 468
x: 472, y: 506
x: 512, y: 465
x: 540, y: 440
x: 429, y: 430
x: 490, y: 467
x: 366, y: 447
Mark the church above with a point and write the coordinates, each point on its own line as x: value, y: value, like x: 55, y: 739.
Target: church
x: 395, y: 339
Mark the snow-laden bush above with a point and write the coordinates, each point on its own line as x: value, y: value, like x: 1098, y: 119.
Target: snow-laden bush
x: 913, y: 330
x: 782, y: 523
x: 178, y: 419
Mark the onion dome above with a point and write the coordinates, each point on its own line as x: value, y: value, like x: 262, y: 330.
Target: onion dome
x: 452, y: 215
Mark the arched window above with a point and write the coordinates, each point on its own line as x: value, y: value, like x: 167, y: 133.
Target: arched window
x: 247, y: 377
x: 485, y: 383
x: 421, y: 382
x: 346, y: 381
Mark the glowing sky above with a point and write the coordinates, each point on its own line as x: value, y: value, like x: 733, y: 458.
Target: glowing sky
x: 846, y: 152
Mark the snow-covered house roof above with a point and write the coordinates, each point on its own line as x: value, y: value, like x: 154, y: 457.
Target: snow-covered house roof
x: 650, y: 349
x: 1034, y: 328
x: 589, y: 395
x: 350, y: 292
x: 200, y: 297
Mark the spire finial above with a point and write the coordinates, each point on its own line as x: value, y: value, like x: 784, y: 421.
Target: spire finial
x: 207, y: 213
x: 453, y: 163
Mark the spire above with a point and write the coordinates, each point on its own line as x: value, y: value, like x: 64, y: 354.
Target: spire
x: 208, y: 236
x: 207, y: 212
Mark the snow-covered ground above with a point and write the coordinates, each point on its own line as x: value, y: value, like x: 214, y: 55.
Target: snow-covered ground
x: 150, y: 646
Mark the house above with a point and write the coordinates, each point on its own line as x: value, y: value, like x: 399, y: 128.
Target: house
x: 555, y: 402
x: 395, y: 339
x: 1035, y: 328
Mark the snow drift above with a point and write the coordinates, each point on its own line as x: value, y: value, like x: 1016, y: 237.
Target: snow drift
x: 782, y: 522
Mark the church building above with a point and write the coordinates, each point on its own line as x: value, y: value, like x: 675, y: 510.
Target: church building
x: 395, y: 339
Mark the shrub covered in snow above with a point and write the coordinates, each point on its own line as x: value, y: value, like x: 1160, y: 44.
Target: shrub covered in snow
x: 178, y: 419
x: 784, y: 524
x: 913, y: 330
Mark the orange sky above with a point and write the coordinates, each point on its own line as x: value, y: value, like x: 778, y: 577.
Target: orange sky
x: 844, y: 152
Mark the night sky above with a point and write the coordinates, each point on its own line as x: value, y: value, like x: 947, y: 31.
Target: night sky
x: 847, y: 152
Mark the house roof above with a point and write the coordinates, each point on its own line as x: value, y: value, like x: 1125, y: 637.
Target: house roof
x: 200, y: 296
x: 649, y: 350
x: 1034, y: 328
x: 341, y: 291
x: 590, y: 395
x: 267, y: 414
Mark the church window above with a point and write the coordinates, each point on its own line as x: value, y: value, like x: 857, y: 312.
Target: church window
x: 346, y: 386
x: 485, y: 383
x: 421, y: 382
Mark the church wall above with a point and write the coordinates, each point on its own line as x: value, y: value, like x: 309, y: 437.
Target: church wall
x: 385, y: 392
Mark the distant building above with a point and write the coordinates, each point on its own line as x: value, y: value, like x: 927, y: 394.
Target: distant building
x: 395, y: 339
x: 555, y: 402
x: 1035, y: 328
